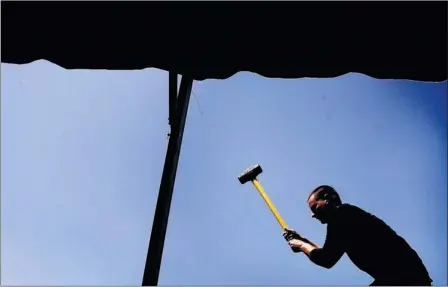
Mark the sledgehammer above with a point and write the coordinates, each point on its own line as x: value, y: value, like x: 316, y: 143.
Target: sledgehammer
x: 251, y: 174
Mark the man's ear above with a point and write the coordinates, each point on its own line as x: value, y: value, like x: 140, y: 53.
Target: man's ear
x: 329, y: 198
x: 326, y: 198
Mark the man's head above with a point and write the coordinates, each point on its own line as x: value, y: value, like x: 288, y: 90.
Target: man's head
x: 323, y: 201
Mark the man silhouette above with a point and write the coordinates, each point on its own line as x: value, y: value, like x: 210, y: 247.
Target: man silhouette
x: 369, y: 242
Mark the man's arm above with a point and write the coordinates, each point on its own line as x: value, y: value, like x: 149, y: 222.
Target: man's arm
x: 290, y: 234
x: 306, y: 240
x: 328, y: 255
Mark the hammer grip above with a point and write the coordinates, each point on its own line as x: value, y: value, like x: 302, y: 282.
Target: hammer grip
x: 275, y: 212
x: 290, y: 236
x: 270, y: 204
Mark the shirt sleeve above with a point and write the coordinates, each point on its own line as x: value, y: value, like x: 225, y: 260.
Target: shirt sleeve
x: 333, y: 248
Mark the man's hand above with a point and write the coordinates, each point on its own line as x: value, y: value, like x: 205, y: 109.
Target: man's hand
x: 289, y: 234
x: 292, y: 236
x: 296, y: 244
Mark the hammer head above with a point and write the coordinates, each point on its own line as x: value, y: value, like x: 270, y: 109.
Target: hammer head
x: 250, y: 174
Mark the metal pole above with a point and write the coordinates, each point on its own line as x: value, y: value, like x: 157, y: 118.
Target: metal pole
x: 157, y: 240
x: 172, y: 95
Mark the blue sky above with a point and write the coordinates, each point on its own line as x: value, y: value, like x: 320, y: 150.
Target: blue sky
x: 82, y: 156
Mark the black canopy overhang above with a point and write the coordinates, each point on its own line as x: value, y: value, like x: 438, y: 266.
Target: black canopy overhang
x: 208, y: 40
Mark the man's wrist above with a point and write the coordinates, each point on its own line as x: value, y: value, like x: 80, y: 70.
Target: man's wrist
x: 306, y: 247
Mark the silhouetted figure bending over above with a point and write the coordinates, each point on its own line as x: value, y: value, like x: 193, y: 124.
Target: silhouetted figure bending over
x: 369, y: 242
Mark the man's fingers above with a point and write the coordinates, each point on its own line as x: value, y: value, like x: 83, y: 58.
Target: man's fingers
x: 296, y: 250
x: 291, y: 235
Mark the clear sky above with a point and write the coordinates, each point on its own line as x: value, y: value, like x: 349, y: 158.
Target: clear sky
x: 83, y: 151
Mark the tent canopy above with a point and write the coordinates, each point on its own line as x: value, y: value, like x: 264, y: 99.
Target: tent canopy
x: 214, y: 40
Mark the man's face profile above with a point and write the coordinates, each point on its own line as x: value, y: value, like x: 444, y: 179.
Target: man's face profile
x: 319, y: 208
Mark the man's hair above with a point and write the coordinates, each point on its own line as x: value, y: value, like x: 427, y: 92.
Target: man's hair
x: 323, y: 190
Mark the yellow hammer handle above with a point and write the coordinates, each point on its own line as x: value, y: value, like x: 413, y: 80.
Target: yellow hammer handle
x: 271, y: 206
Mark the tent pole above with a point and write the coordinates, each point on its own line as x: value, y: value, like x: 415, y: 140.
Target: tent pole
x: 157, y: 239
x: 172, y: 86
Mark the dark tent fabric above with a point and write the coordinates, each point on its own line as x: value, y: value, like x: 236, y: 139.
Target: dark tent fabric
x: 214, y: 40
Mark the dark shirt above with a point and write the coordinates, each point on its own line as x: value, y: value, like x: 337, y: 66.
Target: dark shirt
x: 370, y: 244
